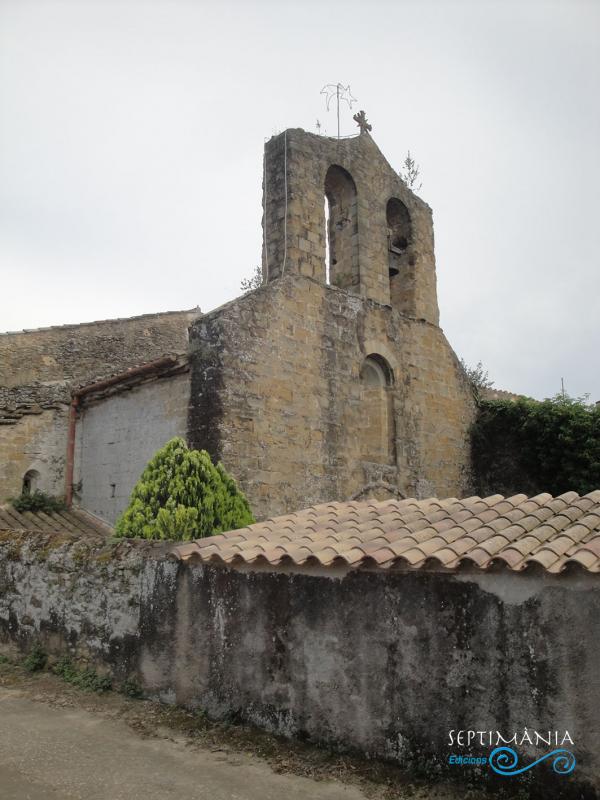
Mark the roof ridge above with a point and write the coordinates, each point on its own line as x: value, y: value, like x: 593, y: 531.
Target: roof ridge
x: 112, y: 320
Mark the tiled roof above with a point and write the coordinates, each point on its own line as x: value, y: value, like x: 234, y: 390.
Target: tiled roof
x: 514, y: 532
x: 73, y: 521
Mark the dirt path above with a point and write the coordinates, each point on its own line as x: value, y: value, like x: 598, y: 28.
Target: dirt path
x: 48, y: 752
x: 61, y: 743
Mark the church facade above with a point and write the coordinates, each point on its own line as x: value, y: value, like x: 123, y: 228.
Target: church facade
x: 331, y: 381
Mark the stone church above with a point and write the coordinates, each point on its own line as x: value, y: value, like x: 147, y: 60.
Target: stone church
x: 331, y: 381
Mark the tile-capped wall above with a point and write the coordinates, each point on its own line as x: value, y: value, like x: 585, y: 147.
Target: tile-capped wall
x: 387, y: 664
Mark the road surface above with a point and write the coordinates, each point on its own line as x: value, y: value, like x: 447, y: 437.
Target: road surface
x: 54, y: 753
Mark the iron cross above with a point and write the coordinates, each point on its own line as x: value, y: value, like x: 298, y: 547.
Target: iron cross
x: 362, y: 122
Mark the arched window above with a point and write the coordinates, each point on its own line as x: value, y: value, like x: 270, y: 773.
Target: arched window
x: 399, y: 241
x: 341, y: 221
x: 377, y: 430
x: 375, y: 371
x: 31, y: 481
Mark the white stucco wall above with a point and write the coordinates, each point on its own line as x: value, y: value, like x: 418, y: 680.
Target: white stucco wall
x: 117, y: 436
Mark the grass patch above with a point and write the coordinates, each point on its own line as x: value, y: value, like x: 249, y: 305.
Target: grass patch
x: 86, y: 679
x: 131, y: 688
x: 38, y: 501
x: 35, y: 660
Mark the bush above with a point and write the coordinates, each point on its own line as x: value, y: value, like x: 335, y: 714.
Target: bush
x: 86, y: 679
x: 182, y: 495
x: 131, y: 688
x: 478, y: 378
x: 254, y: 281
x: 38, y: 501
x: 536, y: 446
x: 36, y: 659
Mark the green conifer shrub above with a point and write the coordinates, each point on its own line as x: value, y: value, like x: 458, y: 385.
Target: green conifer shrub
x: 182, y: 495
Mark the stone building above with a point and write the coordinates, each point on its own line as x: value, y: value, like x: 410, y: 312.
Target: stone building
x: 331, y: 381
x: 39, y: 369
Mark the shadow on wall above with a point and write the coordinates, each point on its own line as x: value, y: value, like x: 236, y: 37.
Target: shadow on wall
x: 306, y: 654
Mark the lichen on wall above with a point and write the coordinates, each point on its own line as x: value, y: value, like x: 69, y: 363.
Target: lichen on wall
x: 277, y: 395
x: 337, y: 657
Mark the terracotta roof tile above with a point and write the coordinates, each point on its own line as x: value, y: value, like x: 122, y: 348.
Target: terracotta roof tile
x: 479, y: 557
x: 578, y: 532
x: 513, y: 532
x: 487, y: 516
x: 511, y: 558
x: 593, y: 546
x: 544, y: 557
x: 352, y: 555
x: 586, y: 559
x: 401, y: 546
x: 534, y: 519
x: 472, y: 524
x: 413, y: 556
x: 74, y: 521
x: 550, y: 532
x: 522, y: 546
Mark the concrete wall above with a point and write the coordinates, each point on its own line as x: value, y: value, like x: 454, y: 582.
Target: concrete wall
x: 277, y: 395
x: 388, y: 664
x: 117, y: 436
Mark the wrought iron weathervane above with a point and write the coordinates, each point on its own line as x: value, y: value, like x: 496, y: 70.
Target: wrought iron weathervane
x: 342, y: 94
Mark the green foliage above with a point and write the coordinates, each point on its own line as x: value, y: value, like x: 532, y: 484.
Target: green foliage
x: 86, y: 679
x: 38, y: 501
x: 36, y: 659
x: 410, y: 173
x: 254, y: 281
x: 531, y: 446
x: 478, y: 377
x: 131, y: 688
x: 182, y: 495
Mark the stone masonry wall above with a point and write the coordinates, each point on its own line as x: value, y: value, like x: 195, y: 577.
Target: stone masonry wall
x: 38, y: 441
x: 277, y: 395
x: 336, y: 658
x: 73, y: 355
x: 296, y: 166
x: 39, y: 369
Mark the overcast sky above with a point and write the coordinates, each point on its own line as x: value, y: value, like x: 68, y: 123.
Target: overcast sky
x: 131, y: 138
